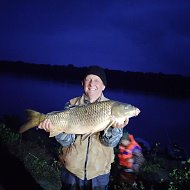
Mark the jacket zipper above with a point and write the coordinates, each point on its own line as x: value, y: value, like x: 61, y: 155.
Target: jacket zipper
x: 86, y: 157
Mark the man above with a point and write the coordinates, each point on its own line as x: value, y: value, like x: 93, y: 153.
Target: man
x: 87, y: 164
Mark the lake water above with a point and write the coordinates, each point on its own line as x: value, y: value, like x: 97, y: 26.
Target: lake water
x: 162, y: 119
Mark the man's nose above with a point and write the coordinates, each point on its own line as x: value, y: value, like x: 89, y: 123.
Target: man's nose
x: 91, y: 82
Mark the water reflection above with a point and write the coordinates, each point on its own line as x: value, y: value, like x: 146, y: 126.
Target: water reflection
x: 161, y: 119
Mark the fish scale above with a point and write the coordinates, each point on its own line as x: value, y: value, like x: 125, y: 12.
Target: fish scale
x: 86, y: 119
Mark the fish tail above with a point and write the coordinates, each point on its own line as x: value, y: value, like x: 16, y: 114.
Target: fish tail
x: 34, y: 118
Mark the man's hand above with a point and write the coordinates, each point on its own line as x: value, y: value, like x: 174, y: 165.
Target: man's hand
x: 120, y: 125
x: 46, y: 125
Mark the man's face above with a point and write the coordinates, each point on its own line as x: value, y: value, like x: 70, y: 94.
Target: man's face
x: 93, y: 86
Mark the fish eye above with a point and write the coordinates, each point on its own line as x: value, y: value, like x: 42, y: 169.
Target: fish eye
x: 127, y: 107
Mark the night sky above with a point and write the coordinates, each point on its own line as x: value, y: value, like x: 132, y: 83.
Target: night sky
x: 129, y: 35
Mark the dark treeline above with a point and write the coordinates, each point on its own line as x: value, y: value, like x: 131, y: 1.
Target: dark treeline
x: 156, y: 83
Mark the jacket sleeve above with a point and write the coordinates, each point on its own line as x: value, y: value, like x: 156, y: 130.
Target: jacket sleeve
x: 63, y: 138
x: 111, y: 137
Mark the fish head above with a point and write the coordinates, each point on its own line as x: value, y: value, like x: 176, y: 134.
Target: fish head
x: 124, y: 110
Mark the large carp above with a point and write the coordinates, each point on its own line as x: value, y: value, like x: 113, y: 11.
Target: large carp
x: 85, y: 119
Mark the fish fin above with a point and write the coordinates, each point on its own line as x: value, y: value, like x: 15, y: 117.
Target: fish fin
x: 109, y: 125
x: 34, y: 118
x: 105, y: 130
x: 86, y: 136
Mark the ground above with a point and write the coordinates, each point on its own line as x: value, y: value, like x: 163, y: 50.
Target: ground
x: 30, y: 161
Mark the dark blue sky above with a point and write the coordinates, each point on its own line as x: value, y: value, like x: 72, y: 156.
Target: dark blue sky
x: 130, y: 35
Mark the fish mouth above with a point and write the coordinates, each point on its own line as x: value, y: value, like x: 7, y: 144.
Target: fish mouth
x: 137, y: 111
